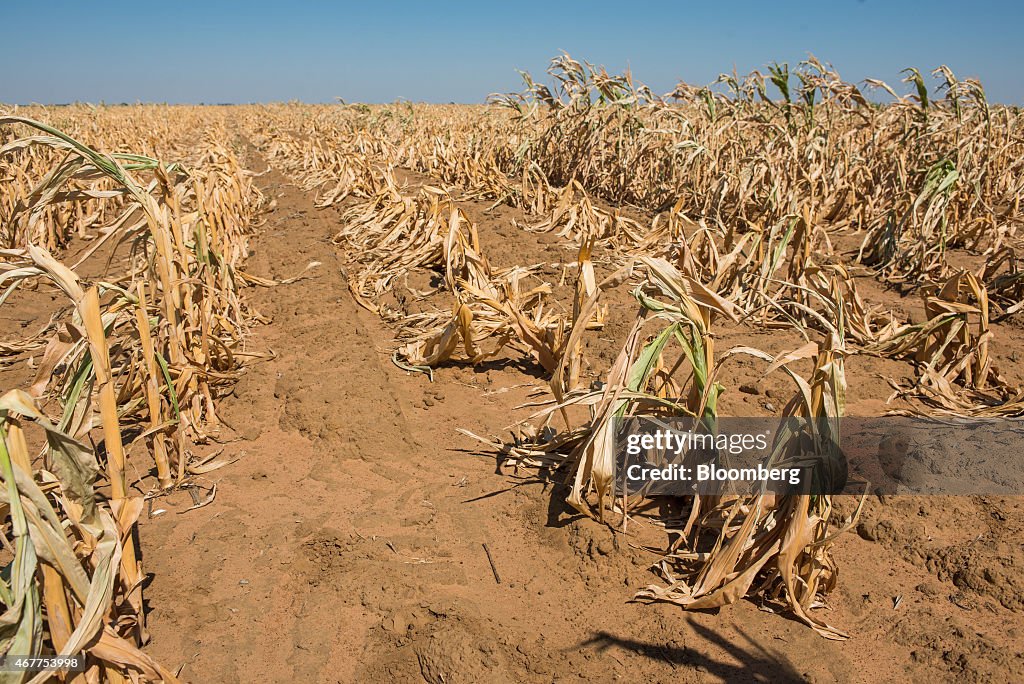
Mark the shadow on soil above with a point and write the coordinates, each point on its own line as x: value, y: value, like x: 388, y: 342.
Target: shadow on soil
x: 753, y: 662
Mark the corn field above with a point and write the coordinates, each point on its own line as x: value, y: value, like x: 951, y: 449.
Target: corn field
x: 761, y: 201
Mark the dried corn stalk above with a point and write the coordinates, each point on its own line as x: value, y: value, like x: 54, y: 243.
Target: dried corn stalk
x: 71, y: 584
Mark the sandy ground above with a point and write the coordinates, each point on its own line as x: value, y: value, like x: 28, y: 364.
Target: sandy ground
x: 346, y: 542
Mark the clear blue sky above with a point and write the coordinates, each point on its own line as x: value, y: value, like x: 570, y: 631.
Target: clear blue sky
x: 220, y: 51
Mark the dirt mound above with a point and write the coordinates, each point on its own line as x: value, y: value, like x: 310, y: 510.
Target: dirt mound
x: 442, y: 644
x: 957, y: 646
x: 965, y: 547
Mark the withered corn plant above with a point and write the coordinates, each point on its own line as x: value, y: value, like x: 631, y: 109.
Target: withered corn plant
x: 731, y: 546
x: 70, y: 586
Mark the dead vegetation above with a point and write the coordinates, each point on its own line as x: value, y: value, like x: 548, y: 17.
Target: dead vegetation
x: 136, y: 355
x: 748, y: 193
x: 718, y: 203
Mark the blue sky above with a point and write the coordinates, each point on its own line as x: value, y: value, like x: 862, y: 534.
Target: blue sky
x: 186, y: 51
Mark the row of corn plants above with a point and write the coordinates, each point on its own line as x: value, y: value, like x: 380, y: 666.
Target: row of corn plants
x: 131, y: 366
